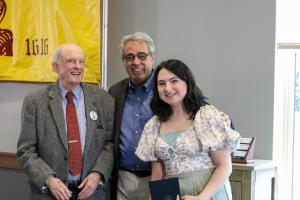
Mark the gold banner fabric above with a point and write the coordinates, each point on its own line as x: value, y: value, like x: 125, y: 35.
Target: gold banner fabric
x: 30, y: 30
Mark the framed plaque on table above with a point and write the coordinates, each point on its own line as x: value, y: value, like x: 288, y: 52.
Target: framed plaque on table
x: 244, y: 152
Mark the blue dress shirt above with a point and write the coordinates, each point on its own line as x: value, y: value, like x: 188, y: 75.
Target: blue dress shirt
x: 136, y: 113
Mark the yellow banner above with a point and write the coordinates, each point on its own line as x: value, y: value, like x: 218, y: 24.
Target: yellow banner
x: 30, y: 30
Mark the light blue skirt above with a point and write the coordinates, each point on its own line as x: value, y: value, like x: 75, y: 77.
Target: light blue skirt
x: 192, y: 183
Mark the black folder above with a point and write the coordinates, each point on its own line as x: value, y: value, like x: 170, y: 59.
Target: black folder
x: 165, y: 189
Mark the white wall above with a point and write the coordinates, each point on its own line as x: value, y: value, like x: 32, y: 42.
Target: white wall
x: 229, y: 45
x: 11, y: 98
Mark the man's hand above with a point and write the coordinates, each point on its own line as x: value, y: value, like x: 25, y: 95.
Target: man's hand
x: 226, y: 119
x: 89, y: 185
x: 57, y: 188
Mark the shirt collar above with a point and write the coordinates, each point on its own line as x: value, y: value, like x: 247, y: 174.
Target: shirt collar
x: 76, y: 91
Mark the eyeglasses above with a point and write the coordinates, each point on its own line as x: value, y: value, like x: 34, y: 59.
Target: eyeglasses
x: 74, y: 61
x: 131, y: 57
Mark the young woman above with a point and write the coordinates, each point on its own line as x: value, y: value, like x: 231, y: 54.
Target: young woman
x: 187, y: 138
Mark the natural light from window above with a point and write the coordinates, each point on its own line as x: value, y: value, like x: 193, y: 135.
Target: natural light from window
x: 287, y: 99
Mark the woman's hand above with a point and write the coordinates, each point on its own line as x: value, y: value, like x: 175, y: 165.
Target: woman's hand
x: 188, y: 197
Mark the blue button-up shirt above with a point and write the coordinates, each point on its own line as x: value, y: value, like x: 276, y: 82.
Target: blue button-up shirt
x: 136, y: 113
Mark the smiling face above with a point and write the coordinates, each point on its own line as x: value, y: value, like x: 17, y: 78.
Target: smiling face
x: 70, y: 66
x: 171, y: 88
x: 138, y: 69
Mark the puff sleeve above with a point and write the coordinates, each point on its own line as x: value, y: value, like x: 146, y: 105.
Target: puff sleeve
x: 146, y: 146
x: 213, y: 131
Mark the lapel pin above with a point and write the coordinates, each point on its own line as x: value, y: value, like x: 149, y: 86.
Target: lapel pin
x: 93, y: 115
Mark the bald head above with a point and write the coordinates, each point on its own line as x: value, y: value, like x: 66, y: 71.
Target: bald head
x: 59, y: 52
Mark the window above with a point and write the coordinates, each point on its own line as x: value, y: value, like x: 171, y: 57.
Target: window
x: 286, y: 139
x: 287, y: 120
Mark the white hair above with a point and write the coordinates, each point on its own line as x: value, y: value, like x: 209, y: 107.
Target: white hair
x: 137, y: 36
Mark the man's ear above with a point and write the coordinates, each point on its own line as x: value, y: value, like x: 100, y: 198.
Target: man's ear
x: 54, y: 67
x: 152, y: 56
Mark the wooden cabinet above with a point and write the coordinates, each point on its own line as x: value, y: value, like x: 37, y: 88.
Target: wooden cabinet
x: 255, y: 181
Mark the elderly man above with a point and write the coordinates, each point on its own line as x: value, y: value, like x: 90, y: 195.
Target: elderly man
x: 66, y: 140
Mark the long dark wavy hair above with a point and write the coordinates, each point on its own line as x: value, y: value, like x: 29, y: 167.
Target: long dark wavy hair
x: 194, y: 98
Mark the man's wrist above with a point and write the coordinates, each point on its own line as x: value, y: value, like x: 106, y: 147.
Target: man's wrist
x: 51, y: 176
x: 101, y: 177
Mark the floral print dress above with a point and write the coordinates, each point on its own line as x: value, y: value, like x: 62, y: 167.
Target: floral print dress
x: 190, y: 150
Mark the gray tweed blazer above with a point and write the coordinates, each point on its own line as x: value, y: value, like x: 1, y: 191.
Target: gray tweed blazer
x: 42, y: 147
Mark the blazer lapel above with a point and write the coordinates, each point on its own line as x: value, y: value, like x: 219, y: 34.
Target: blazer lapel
x: 56, y: 108
x: 90, y: 108
x: 119, y: 108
